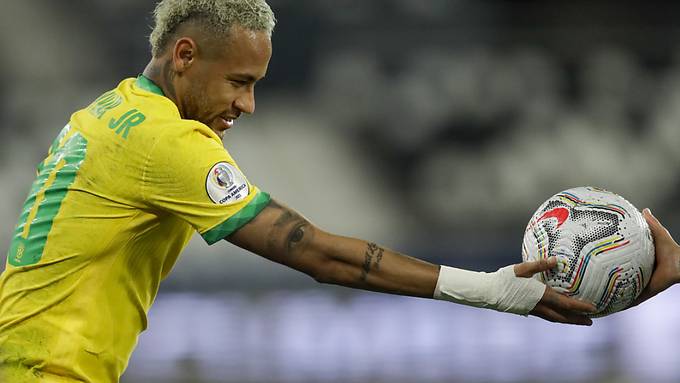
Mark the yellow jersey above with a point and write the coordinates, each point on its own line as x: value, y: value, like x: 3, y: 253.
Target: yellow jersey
x: 122, y: 189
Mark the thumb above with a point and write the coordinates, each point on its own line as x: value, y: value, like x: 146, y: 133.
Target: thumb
x: 527, y: 269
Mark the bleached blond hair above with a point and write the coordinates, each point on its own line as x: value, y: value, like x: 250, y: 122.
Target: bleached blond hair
x: 216, y: 17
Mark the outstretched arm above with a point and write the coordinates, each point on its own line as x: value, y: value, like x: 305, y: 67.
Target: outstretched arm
x: 282, y: 235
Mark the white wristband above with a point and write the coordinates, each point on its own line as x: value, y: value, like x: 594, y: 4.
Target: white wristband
x: 500, y: 290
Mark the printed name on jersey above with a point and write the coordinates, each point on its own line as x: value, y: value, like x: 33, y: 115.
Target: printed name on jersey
x: 226, y: 184
x: 104, y: 103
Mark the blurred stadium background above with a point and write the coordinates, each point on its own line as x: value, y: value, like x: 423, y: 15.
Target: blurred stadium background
x: 434, y: 127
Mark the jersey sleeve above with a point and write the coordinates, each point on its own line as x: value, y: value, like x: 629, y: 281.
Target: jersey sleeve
x: 192, y: 176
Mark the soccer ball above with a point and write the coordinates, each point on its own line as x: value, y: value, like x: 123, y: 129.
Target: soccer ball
x: 604, y: 249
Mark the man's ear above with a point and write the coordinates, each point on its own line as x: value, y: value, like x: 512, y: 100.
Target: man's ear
x: 183, y: 54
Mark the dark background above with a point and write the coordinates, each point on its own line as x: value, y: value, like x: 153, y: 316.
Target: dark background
x: 434, y: 127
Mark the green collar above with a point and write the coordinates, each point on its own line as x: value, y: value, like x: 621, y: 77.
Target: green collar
x: 148, y: 85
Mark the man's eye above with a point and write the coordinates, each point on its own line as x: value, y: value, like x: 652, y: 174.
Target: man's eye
x: 238, y: 83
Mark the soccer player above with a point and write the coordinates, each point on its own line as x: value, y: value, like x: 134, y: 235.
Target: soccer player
x: 134, y: 174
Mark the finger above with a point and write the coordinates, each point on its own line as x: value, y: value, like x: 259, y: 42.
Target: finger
x: 527, y: 269
x: 659, y: 231
x: 651, y: 219
x: 552, y: 315
x: 542, y: 311
x: 562, y: 302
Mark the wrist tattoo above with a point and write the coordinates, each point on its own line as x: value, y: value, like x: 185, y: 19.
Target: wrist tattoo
x: 373, y: 251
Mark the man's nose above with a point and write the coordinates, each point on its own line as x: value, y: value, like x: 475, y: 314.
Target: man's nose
x: 246, y: 102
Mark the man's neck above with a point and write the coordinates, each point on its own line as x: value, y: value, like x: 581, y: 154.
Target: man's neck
x: 160, y: 71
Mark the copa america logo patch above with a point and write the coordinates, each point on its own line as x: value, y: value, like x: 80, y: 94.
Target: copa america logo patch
x: 226, y: 184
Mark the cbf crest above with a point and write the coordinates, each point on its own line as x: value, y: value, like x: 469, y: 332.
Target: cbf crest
x: 226, y: 184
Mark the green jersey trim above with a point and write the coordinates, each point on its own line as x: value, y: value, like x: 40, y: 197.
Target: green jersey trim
x: 148, y: 85
x: 236, y: 221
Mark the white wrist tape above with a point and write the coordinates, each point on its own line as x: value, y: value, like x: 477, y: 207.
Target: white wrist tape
x: 500, y: 290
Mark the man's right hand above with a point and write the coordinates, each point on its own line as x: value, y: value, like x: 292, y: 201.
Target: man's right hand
x: 667, y: 252
x: 553, y: 306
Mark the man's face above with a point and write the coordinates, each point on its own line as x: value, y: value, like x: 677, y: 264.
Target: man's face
x: 219, y: 85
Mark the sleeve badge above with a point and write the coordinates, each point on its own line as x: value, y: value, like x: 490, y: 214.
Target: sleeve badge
x: 226, y: 184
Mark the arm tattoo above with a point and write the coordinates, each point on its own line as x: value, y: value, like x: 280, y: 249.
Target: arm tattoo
x: 295, y: 235
x: 287, y: 219
x: 378, y: 258
x: 373, y: 251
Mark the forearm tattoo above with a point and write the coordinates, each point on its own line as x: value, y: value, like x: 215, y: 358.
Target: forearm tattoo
x: 372, y: 258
